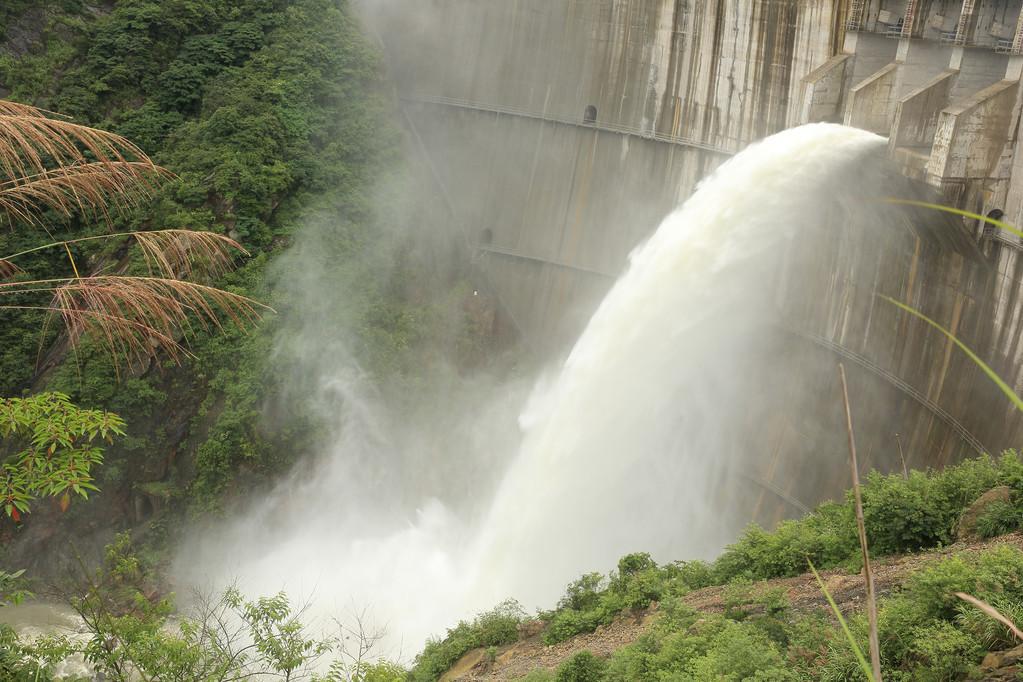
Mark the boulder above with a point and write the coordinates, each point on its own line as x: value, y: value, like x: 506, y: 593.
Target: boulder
x: 1001, y: 665
x: 966, y: 529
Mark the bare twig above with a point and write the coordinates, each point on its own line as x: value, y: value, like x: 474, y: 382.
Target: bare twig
x: 902, y: 456
x: 875, y: 651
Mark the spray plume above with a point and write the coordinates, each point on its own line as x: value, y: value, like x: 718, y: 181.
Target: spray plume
x: 634, y: 444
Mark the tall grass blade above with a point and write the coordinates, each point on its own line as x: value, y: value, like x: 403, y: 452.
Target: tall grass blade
x: 860, y: 658
x: 992, y: 612
x: 956, y: 211
x: 861, y: 528
x: 902, y: 456
x: 973, y: 356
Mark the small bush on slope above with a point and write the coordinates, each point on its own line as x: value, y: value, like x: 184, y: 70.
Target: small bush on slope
x: 493, y: 628
x: 583, y: 667
x: 1000, y: 518
x: 591, y: 601
x: 685, y: 645
x: 901, y: 515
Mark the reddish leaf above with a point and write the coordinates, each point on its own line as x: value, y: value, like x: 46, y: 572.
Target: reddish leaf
x: 15, y: 514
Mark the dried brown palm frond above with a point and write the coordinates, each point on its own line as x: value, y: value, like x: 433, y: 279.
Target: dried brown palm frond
x: 31, y: 142
x: 133, y: 317
x: 48, y: 163
x: 8, y: 269
x: 180, y: 253
x: 97, y: 186
x: 9, y: 108
x: 52, y: 163
x: 171, y: 253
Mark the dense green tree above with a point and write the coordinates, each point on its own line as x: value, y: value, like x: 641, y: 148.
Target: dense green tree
x: 51, y: 166
x: 267, y: 113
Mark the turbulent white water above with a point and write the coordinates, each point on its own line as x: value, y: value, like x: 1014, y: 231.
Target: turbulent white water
x: 631, y: 446
x: 32, y: 620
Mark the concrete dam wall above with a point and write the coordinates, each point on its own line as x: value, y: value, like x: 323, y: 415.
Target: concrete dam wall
x: 560, y: 133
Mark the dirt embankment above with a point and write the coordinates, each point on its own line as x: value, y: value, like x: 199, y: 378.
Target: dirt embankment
x: 529, y: 653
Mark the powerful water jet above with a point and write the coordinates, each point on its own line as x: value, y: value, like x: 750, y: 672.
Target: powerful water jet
x: 637, y: 443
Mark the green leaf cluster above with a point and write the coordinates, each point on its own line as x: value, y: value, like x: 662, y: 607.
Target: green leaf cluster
x: 53, y: 448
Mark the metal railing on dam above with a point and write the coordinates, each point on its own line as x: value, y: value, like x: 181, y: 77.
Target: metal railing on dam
x: 895, y: 381
x: 596, y: 125
x: 487, y: 249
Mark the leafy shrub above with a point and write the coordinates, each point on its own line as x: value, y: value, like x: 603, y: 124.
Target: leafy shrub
x: 907, y: 515
x: 583, y: 667
x: 499, y: 625
x: 382, y: 671
x: 901, y: 515
x: 989, y: 632
x: 928, y: 599
x: 21, y: 661
x: 839, y: 663
x: 591, y: 601
x: 942, y: 652
x: 583, y: 594
x: 693, y: 574
x: 631, y: 564
x: 808, y: 640
x: 703, y: 648
x: 827, y: 537
x: 493, y: 628
x: 741, y: 652
x: 999, y: 518
x: 638, y: 581
x: 569, y: 623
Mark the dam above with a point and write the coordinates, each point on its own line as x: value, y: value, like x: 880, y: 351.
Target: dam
x: 559, y: 133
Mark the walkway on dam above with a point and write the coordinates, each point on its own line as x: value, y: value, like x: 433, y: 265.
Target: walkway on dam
x: 542, y: 116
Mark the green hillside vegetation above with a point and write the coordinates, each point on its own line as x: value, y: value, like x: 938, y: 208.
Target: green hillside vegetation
x: 926, y: 632
x: 270, y: 114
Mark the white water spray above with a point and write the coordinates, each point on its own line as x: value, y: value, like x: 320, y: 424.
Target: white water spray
x: 633, y: 446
